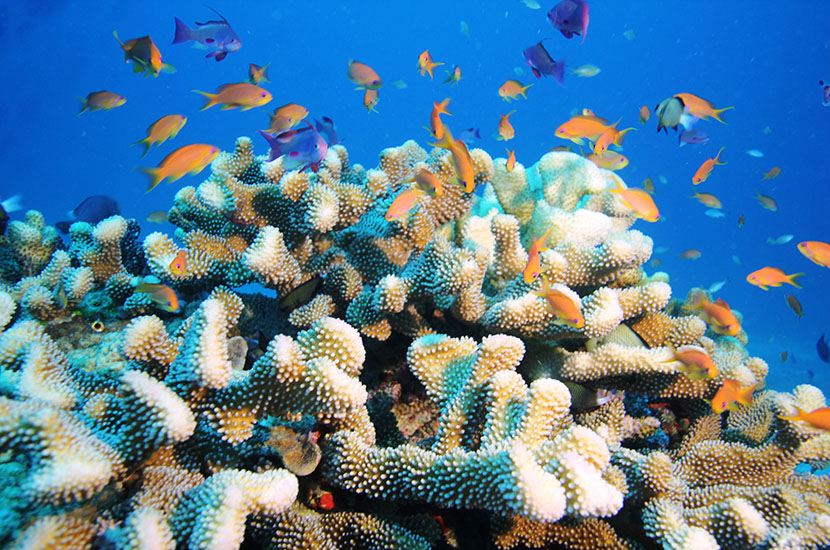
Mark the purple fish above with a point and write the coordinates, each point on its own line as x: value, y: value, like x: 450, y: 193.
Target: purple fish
x: 570, y: 17
x: 91, y: 210
x: 692, y: 137
x: 470, y: 135
x: 825, y: 93
x: 541, y: 63
x: 823, y: 349
x: 300, y: 148
x: 217, y: 36
x: 328, y: 130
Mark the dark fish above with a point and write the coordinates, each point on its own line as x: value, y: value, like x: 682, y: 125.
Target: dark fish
x: 328, y: 130
x: 810, y: 375
x: 91, y: 210
x: 692, y: 137
x: 795, y: 305
x: 12, y: 204
x: 542, y: 64
x: 301, y: 295
x: 784, y: 355
x: 217, y: 36
x: 570, y: 17
x: 823, y: 349
x: 741, y: 221
x: 584, y: 399
x: 669, y: 112
x: 825, y: 93
x: 470, y: 135
x: 300, y: 148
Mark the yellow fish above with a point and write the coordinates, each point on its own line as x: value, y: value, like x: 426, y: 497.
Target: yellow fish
x: 425, y: 63
x: 512, y: 89
x: 167, y: 127
x: 102, y: 101
x: 370, y: 99
x: 162, y: 296
x: 506, y: 130
x: 242, y: 94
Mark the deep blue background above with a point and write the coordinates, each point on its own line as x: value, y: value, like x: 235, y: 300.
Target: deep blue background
x: 763, y: 57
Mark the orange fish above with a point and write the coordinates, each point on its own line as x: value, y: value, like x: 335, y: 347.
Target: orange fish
x: 506, y: 131
x: 767, y: 202
x: 771, y: 277
x: 700, y: 108
x: 567, y: 309
x: 708, y: 199
x: 257, y: 74
x: 435, y: 123
x: 697, y: 365
x: 611, y: 160
x: 706, y: 168
x: 179, y: 264
x: 426, y: 64
x: 101, y: 101
x: 691, y: 254
x: 428, y: 182
x: 461, y: 160
x: 511, y: 160
x: 286, y: 117
x: 167, y: 127
x: 242, y: 94
x: 363, y: 75
x: 645, y: 114
x: 454, y: 76
x: 145, y: 55
x: 816, y: 251
x: 534, y: 263
x: 370, y: 99
x: 818, y: 418
x: 730, y: 395
x: 581, y: 127
x: 403, y: 203
x: 639, y: 201
x: 190, y: 159
x: 610, y: 136
x: 773, y: 173
x: 162, y: 296
x: 718, y: 314
x: 512, y: 89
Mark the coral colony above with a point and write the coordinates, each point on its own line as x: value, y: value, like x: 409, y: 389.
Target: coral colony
x: 406, y: 389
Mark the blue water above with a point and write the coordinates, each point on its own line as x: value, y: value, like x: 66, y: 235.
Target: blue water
x: 763, y: 57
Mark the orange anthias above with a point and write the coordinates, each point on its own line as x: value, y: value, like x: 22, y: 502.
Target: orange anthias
x: 582, y: 127
x: 700, y: 108
x: 639, y: 201
x: 697, y: 365
x: 435, y: 124
x: 162, y: 296
x: 610, y: 136
x: 403, y: 203
x: 286, y: 117
x: 706, y: 168
x: 730, y: 396
x: 428, y: 182
x: 719, y: 315
x: 178, y: 266
x: 242, y: 94
x: 816, y: 251
x: 534, y: 263
x: 167, y: 127
x: 370, y: 99
x: 818, y: 418
x: 190, y: 159
x: 506, y: 130
x: 771, y: 277
x: 511, y: 160
x: 567, y: 308
x: 512, y: 89
x: 426, y: 64
x: 461, y: 160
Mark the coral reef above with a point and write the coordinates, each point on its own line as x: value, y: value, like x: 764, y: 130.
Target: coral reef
x: 407, y: 388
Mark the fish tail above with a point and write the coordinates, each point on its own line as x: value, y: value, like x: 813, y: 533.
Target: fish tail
x: 167, y: 68
x: 84, y: 106
x: 210, y: 97
x: 791, y: 279
x: 744, y: 396
x: 146, y: 143
x: 717, y: 157
x: 559, y: 72
x: 155, y: 177
x: 182, y: 32
x: 115, y: 34
x: 716, y: 114
x: 446, y: 140
x: 798, y: 416
x: 618, y: 139
x: 12, y: 204
x: 523, y: 91
x: 441, y: 108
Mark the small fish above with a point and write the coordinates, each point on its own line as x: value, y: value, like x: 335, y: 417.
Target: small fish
x: 157, y: 216
x: 661, y: 249
x: 697, y: 365
x: 300, y: 148
x: 300, y: 295
x: 825, y: 93
x: 772, y: 277
x: 512, y: 90
x: 461, y: 160
x: 692, y: 137
x: 562, y: 303
x: 511, y: 160
x: 217, y: 36
x: 706, y: 168
x: 167, y: 127
x: 795, y: 305
x: 370, y: 99
x: 691, y: 254
x: 584, y: 399
x: 662, y: 179
x: 773, y: 173
x: 162, y: 296
x: 256, y: 74
x: 656, y: 262
x: 101, y: 101
x: 767, y: 202
x: 532, y: 4
x: 701, y: 108
x: 612, y: 160
x: 783, y: 356
x: 178, y: 265
x: 328, y: 130
x: 714, y: 213
x: 533, y: 268
x: 286, y: 117
x: 300, y: 455
x: 716, y: 286
x: 453, y: 76
x: 425, y: 63
x: 610, y: 136
x: 741, y: 221
x: 542, y: 63
x: 519, y: 71
x: 571, y: 18
x: 669, y: 113
x: 586, y: 71
x: 403, y: 203
x: 730, y: 396
x: 464, y: 28
x: 581, y: 127
x: 242, y: 94
x: 736, y: 260
x: 818, y: 418
x: 435, y: 123
x: 363, y: 75
x: 470, y: 135
x: 91, y: 210
x: 399, y: 85
x: 648, y: 185
x: 817, y: 252
x: 755, y: 153
x: 810, y: 374
x: 190, y: 159
x: 823, y: 349
x: 145, y: 55
x: 8, y: 206
x: 645, y: 114
x: 708, y: 199
x: 629, y: 34
x: 506, y: 130
x: 428, y: 182
x: 783, y: 239
x: 638, y: 201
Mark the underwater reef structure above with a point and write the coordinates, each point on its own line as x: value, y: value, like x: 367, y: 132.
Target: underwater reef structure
x: 407, y: 388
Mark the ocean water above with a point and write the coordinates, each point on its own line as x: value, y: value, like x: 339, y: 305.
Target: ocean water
x: 764, y: 58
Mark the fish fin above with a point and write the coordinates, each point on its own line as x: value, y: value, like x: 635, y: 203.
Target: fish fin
x: 536, y: 72
x: 798, y: 416
x: 559, y: 72
x: 717, y: 157
x: 12, y: 204
x: 744, y: 396
x: 220, y: 56
x: 211, y: 99
x: 791, y: 279
x: 167, y: 68
x: 182, y: 32
x: 115, y: 34
x: 716, y: 114
x: 441, y: 107
x: 619, y: 138
x: 155, y: 177
x: 146, y: 143
x: 84, y: 106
